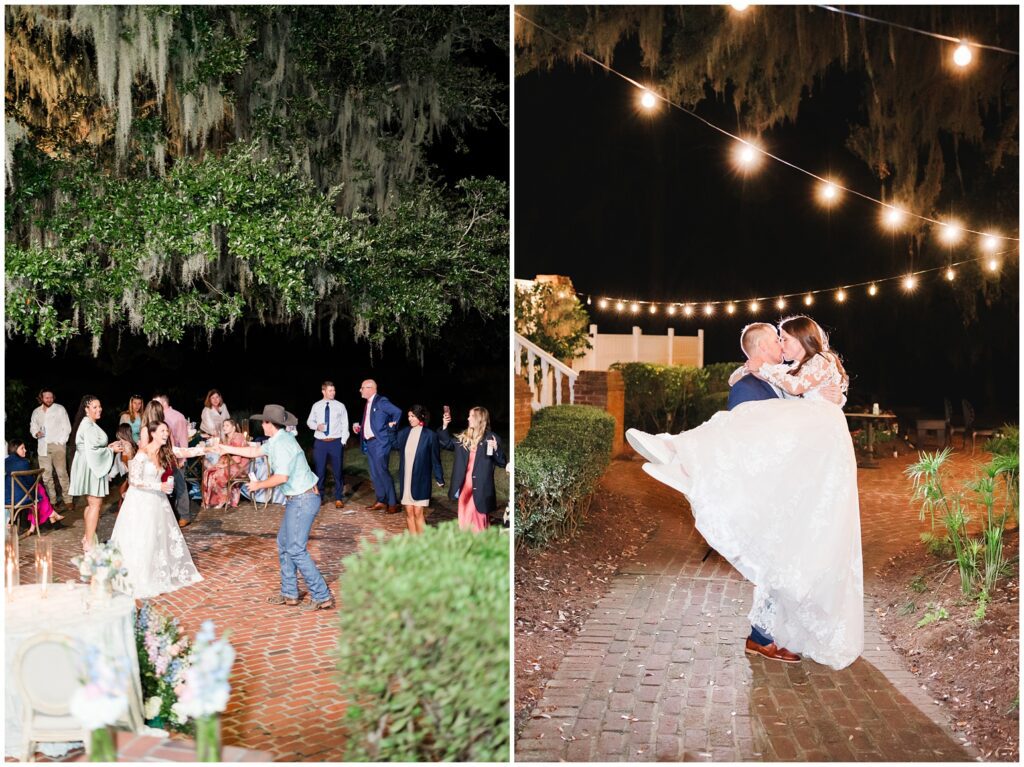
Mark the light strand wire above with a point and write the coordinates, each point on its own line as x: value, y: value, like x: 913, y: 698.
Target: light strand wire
x: 724, y: 132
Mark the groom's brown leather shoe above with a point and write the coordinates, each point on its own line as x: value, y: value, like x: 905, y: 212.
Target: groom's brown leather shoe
x: 771, y: 652
x: 378, y: 506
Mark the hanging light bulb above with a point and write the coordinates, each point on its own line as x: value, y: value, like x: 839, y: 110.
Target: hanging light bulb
x: 619, y: 306
x: 962, y: 55
x: 893, y: 217
x: 780, y: 304
x: 672, y: 310
x: 872, y: 289
x: 648, y: 100
x: 828, y: 192
x: 731, y: 308
x: 754, y: 307
x: 635, y: 308
x: 739, y: 7
x: 989, y: 242
x: 909, y: 282
x: 709, y: 309
x: 950, y: 233
x: 993, y: 265
x: 950, y: 273
x: 840, y: 295
x: 808, y: 299
x: 602, y: 304
x: 589, y: 302
x: 746, y: 155
x: 653, y: 309
x: 688, y: 310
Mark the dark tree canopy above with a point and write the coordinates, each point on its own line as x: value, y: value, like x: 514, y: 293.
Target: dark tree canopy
x: 180, y: 167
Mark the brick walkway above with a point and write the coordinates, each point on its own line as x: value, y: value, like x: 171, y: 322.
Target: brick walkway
x: 285, y: 697
x: 658, y: 671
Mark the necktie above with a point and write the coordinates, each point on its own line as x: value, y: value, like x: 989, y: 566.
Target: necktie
x: 327, y: 419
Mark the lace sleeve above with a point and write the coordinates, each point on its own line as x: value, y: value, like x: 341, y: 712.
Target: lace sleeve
x: 814, y: 374
x: 737, y: 374
x: 137, y: 475
x: 188, y: 452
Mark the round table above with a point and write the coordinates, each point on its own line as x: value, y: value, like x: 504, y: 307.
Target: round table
x: 869, y: 420
x: 68, y: 610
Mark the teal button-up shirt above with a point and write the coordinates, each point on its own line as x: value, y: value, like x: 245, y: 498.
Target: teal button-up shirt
x: 286, y: 457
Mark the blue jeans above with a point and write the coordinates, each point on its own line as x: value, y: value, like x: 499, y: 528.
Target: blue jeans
x: 299, y: 513
x: 334, y: 452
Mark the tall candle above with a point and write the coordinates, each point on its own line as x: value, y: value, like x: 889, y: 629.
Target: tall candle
x: 10, y: 577
x: 45, y: 578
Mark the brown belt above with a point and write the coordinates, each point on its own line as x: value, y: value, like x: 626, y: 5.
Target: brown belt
x: 329, y: 439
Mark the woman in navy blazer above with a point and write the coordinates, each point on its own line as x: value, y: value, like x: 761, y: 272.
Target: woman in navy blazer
x: 418, y: 458
x: 477, y: 453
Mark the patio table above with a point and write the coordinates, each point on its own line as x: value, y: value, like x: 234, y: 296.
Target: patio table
x: 869, y: 420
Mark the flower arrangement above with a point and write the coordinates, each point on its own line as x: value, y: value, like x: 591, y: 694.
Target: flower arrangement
x: 101, y: 700
x: 104, y: 563
x: 203, y: 695
x: 164, y: 655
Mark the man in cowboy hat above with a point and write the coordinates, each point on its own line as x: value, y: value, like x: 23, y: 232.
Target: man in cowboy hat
x: 288, y: 467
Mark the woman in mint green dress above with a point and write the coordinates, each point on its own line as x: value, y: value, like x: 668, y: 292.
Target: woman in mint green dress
x: 89, y: 470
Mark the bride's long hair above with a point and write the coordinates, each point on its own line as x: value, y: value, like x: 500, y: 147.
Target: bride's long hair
x: 165, y: 455
x: 814, y: 341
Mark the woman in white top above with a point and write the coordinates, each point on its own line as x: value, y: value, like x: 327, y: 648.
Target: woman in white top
x: 215, y: 412
x: 773, y: 488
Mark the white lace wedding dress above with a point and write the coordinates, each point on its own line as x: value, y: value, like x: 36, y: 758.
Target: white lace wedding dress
x: 773, y: 489
x: 148, y: 536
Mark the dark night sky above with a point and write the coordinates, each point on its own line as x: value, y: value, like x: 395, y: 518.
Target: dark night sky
x: 634, y: 206
x: 283, y: 365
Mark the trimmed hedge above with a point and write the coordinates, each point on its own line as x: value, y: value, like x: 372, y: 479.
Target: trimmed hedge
x: 424, y: 647
x: 673, y: 398
x: 558, y: 465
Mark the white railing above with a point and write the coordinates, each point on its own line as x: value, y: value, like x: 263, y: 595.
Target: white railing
x: 549, y: 390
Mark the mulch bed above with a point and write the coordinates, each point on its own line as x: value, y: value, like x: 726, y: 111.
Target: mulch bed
x: 972, y: 667
x: 557, y: 587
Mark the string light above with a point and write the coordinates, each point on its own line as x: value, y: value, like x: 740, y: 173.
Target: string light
x: 873, y: 290
x: 808, y: 299
x: 989, y: 242
x: 653, y: 309
x: 909, y: 283
x: 840, y: 295
x: 672, y: 310
x: 993, y: 265
x: 950, y: 273
x: 589, y: 302
x: 893, y: 217
x: 829, y: 191
x: 754, y: 307
x: 602, y: 304
x: 780, y: 304
x: 709, y: 309
x: 635, y: 308
x: 746, y: 156
x: 739, y: 7
x: 688, y: 310
x: 962, y: 55
x: 619, y: 306
x: 731, y: 309
x: 950, y: 233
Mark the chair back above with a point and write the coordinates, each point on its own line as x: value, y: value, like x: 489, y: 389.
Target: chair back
x: 27, y: 484
x: 46, y: 673
x: 968, y: 414
x: 949, y: 411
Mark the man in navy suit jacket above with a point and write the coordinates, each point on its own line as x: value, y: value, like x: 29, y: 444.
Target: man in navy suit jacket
x: 376, y: 432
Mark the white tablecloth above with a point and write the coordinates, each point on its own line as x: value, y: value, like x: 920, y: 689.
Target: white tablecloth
x: 261, y: 468
x: 68, y: 610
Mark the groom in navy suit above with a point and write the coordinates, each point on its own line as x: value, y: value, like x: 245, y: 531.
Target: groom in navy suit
x: 376, y: 433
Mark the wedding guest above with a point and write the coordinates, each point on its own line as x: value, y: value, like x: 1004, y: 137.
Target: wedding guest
x: 216, y: 478
x: 91, y: 464
x: 328, y: 419
x: 49, y: 424
x: 376, y: 433
x: 129, y: 448
x: 215, y: 412
x: 133, y: 416
x: 153, y: 413
x: 288, y: 468
x: 419, y: 457
x: 14, y: 492
x: 178, y: 426
x: 477, y: 453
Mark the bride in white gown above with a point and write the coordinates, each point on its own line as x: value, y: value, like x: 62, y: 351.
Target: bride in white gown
x: 146, y: 531
x: 773, y: 488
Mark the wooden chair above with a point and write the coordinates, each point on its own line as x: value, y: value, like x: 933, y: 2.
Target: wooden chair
x: 27, y: 484
x: 46, y: 675
x: 240, y: 477
x: 951, y: 430
x: 971, y: 428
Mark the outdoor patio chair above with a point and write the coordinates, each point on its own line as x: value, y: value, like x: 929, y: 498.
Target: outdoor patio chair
x: 971, y: 428
x: 46, y: 675
x: 951, y: 430
x: 28, y: 482
x: 240, y: 479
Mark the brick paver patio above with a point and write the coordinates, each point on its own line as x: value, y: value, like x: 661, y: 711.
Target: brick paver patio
x: 658, y: 672
x: 285, y: 698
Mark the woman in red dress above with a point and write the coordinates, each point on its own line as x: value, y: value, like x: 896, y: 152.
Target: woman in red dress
x: 477, y: 453
x: 217, y: 477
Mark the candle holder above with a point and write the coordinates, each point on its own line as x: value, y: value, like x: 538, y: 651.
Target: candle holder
x: 12, y: 577
x: 44, y: 565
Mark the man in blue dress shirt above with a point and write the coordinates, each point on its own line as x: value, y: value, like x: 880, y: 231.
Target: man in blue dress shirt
x: 328, y: 419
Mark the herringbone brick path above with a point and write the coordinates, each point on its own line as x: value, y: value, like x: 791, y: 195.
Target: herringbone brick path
x: 285, y: 697
x: 658, y: 671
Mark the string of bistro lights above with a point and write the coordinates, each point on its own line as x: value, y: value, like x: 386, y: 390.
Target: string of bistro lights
x: 909, y: 282
x: 748, y: 154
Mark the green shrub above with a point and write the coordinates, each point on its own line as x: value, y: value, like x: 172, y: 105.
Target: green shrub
x: 708, y: 405
x: 424, y: 647
x: 661, y: 398
x: 558, y: 465
x: 718, y: 376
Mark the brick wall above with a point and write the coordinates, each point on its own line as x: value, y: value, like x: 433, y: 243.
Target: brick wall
x: 605, y: 389
x: 523, y: 412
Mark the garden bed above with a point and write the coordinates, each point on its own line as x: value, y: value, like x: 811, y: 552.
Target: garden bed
x: 970, y: 666
x: 558, y: 586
